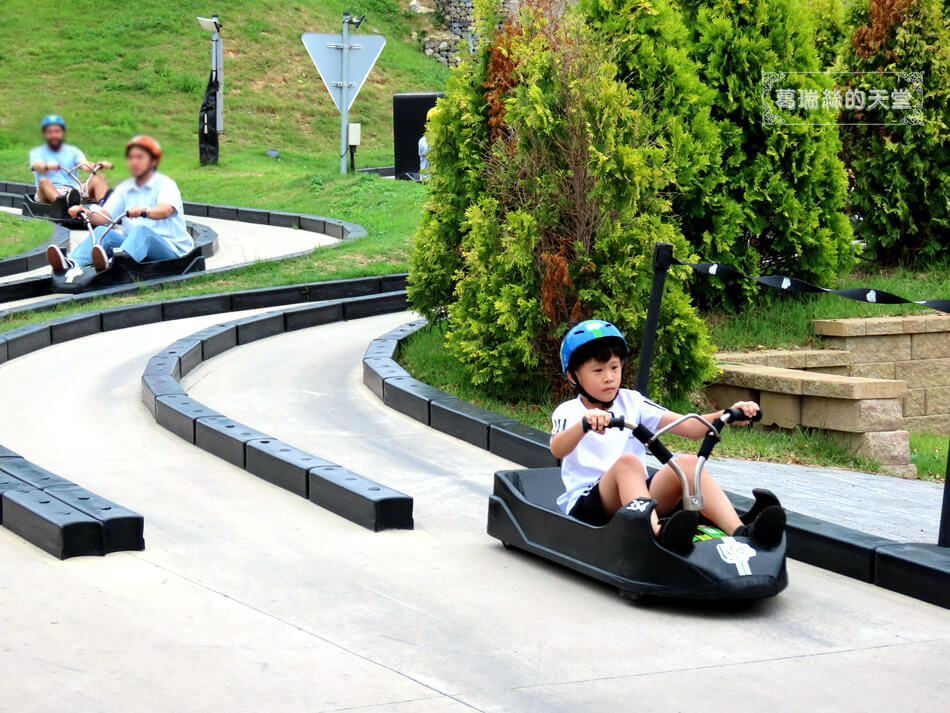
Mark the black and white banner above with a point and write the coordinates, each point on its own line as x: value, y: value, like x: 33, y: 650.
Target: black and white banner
x: 793, y: 284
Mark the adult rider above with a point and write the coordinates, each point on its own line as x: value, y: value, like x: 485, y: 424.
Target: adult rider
x: 50, y: 160
x: 153, y: 227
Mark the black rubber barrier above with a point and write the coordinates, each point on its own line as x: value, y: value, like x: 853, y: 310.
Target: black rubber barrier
x: 327, y: 302
x: 51, y: 524
x: 59, y: 516
x: 324, y: 483
x: 489, y: 430
x: 160, y: 380
x: 917, y: 570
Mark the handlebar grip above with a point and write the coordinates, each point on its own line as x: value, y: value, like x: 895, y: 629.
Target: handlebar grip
x: 617, y: 422
x: 738, y: 415
x: 645, y: 435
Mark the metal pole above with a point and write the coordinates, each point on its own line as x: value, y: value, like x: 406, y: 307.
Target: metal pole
x: 216, y: 73
x: 943, y: 535
x: 218, y: 47
x: 344, y: 80
x: 662, y: 259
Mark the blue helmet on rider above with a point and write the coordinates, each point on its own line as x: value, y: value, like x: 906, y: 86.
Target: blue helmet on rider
x: 53, y: 120
x: 585, y: 333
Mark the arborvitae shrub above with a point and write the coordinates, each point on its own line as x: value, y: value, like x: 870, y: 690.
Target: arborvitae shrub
x: 781, y: 208
x: 901, y: 196
x: 574, y: 195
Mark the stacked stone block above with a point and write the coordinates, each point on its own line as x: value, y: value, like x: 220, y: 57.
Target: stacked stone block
x: 915, y: 350
x: 811, y: 388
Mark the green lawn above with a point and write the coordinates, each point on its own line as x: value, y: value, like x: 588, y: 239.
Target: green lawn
x: 115, y: 69
x: 18, y: 235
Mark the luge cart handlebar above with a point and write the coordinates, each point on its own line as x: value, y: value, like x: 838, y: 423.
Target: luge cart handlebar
x: 84, y: 215
x: 692, y: 497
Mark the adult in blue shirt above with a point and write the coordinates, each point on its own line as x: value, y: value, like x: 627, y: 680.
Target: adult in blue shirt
x: 153, y: 227
x: 49, y: 161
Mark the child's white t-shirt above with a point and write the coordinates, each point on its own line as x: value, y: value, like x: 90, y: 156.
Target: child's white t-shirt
x: 596, y: 452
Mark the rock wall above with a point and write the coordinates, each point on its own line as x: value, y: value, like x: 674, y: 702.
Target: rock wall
x: 915, y: 350
x: 457, y: 15
x: 812, y: 388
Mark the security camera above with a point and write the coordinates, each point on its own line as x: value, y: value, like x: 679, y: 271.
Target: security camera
x: 357, y: 21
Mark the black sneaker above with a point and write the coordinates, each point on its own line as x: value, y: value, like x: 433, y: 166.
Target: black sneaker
x: 677, y: 532
x: 767, y: 528
x: 57, y: 260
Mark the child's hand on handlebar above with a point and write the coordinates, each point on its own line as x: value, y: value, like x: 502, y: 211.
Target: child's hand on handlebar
x: 597, y: 420
x: 136, y: 212
x: 749, y: 408
x: 75, y: 210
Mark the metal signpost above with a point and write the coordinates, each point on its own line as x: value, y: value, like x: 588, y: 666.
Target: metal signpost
x: 343, y: 66
x: 212, y: 105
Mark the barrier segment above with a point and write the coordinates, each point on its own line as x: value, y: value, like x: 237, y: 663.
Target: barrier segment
x: 281, y: 464
x: 359, y: 499
x: 51, y: 524
x: 122, y: 529
x: 59, y: 516
x: 327, y: 484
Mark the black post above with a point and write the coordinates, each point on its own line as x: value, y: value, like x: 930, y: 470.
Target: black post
x: 662, y: 260
x: 943, y: 535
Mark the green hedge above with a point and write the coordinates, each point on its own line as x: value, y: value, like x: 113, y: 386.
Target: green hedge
x: 573, y: 199
x: 902, y: 172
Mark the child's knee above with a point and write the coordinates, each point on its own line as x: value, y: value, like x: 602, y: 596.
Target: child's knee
x: 628, y: 462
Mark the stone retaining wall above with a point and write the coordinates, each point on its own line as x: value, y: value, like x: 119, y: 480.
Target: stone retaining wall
x: 915, y: 350
x: 808, y: 388
x: 457, y: 17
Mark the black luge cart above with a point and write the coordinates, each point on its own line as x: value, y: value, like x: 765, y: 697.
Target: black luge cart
x: 522, y: 513
x: 123, y: 269
x: 58, y: 210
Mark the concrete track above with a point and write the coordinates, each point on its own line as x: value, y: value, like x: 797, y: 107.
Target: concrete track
x: 248, y: 598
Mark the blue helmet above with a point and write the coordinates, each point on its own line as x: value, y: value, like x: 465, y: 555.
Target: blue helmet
x: 53, y: 119
x: 585, y: 332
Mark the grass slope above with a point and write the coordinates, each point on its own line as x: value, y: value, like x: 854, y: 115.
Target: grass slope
x: 18, y: 235
x: 142, y: 67
x: 786, y: 321
x: 144, y: 70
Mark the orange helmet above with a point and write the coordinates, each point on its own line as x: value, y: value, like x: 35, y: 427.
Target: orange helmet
x: 147, y: 143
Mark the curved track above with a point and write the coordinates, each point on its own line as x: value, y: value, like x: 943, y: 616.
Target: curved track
x: 248, y: 598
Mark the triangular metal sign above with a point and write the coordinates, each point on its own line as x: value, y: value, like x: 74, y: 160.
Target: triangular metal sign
x: 326, y: 51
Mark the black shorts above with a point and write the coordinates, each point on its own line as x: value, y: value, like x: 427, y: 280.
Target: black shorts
x: 589, y: 507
